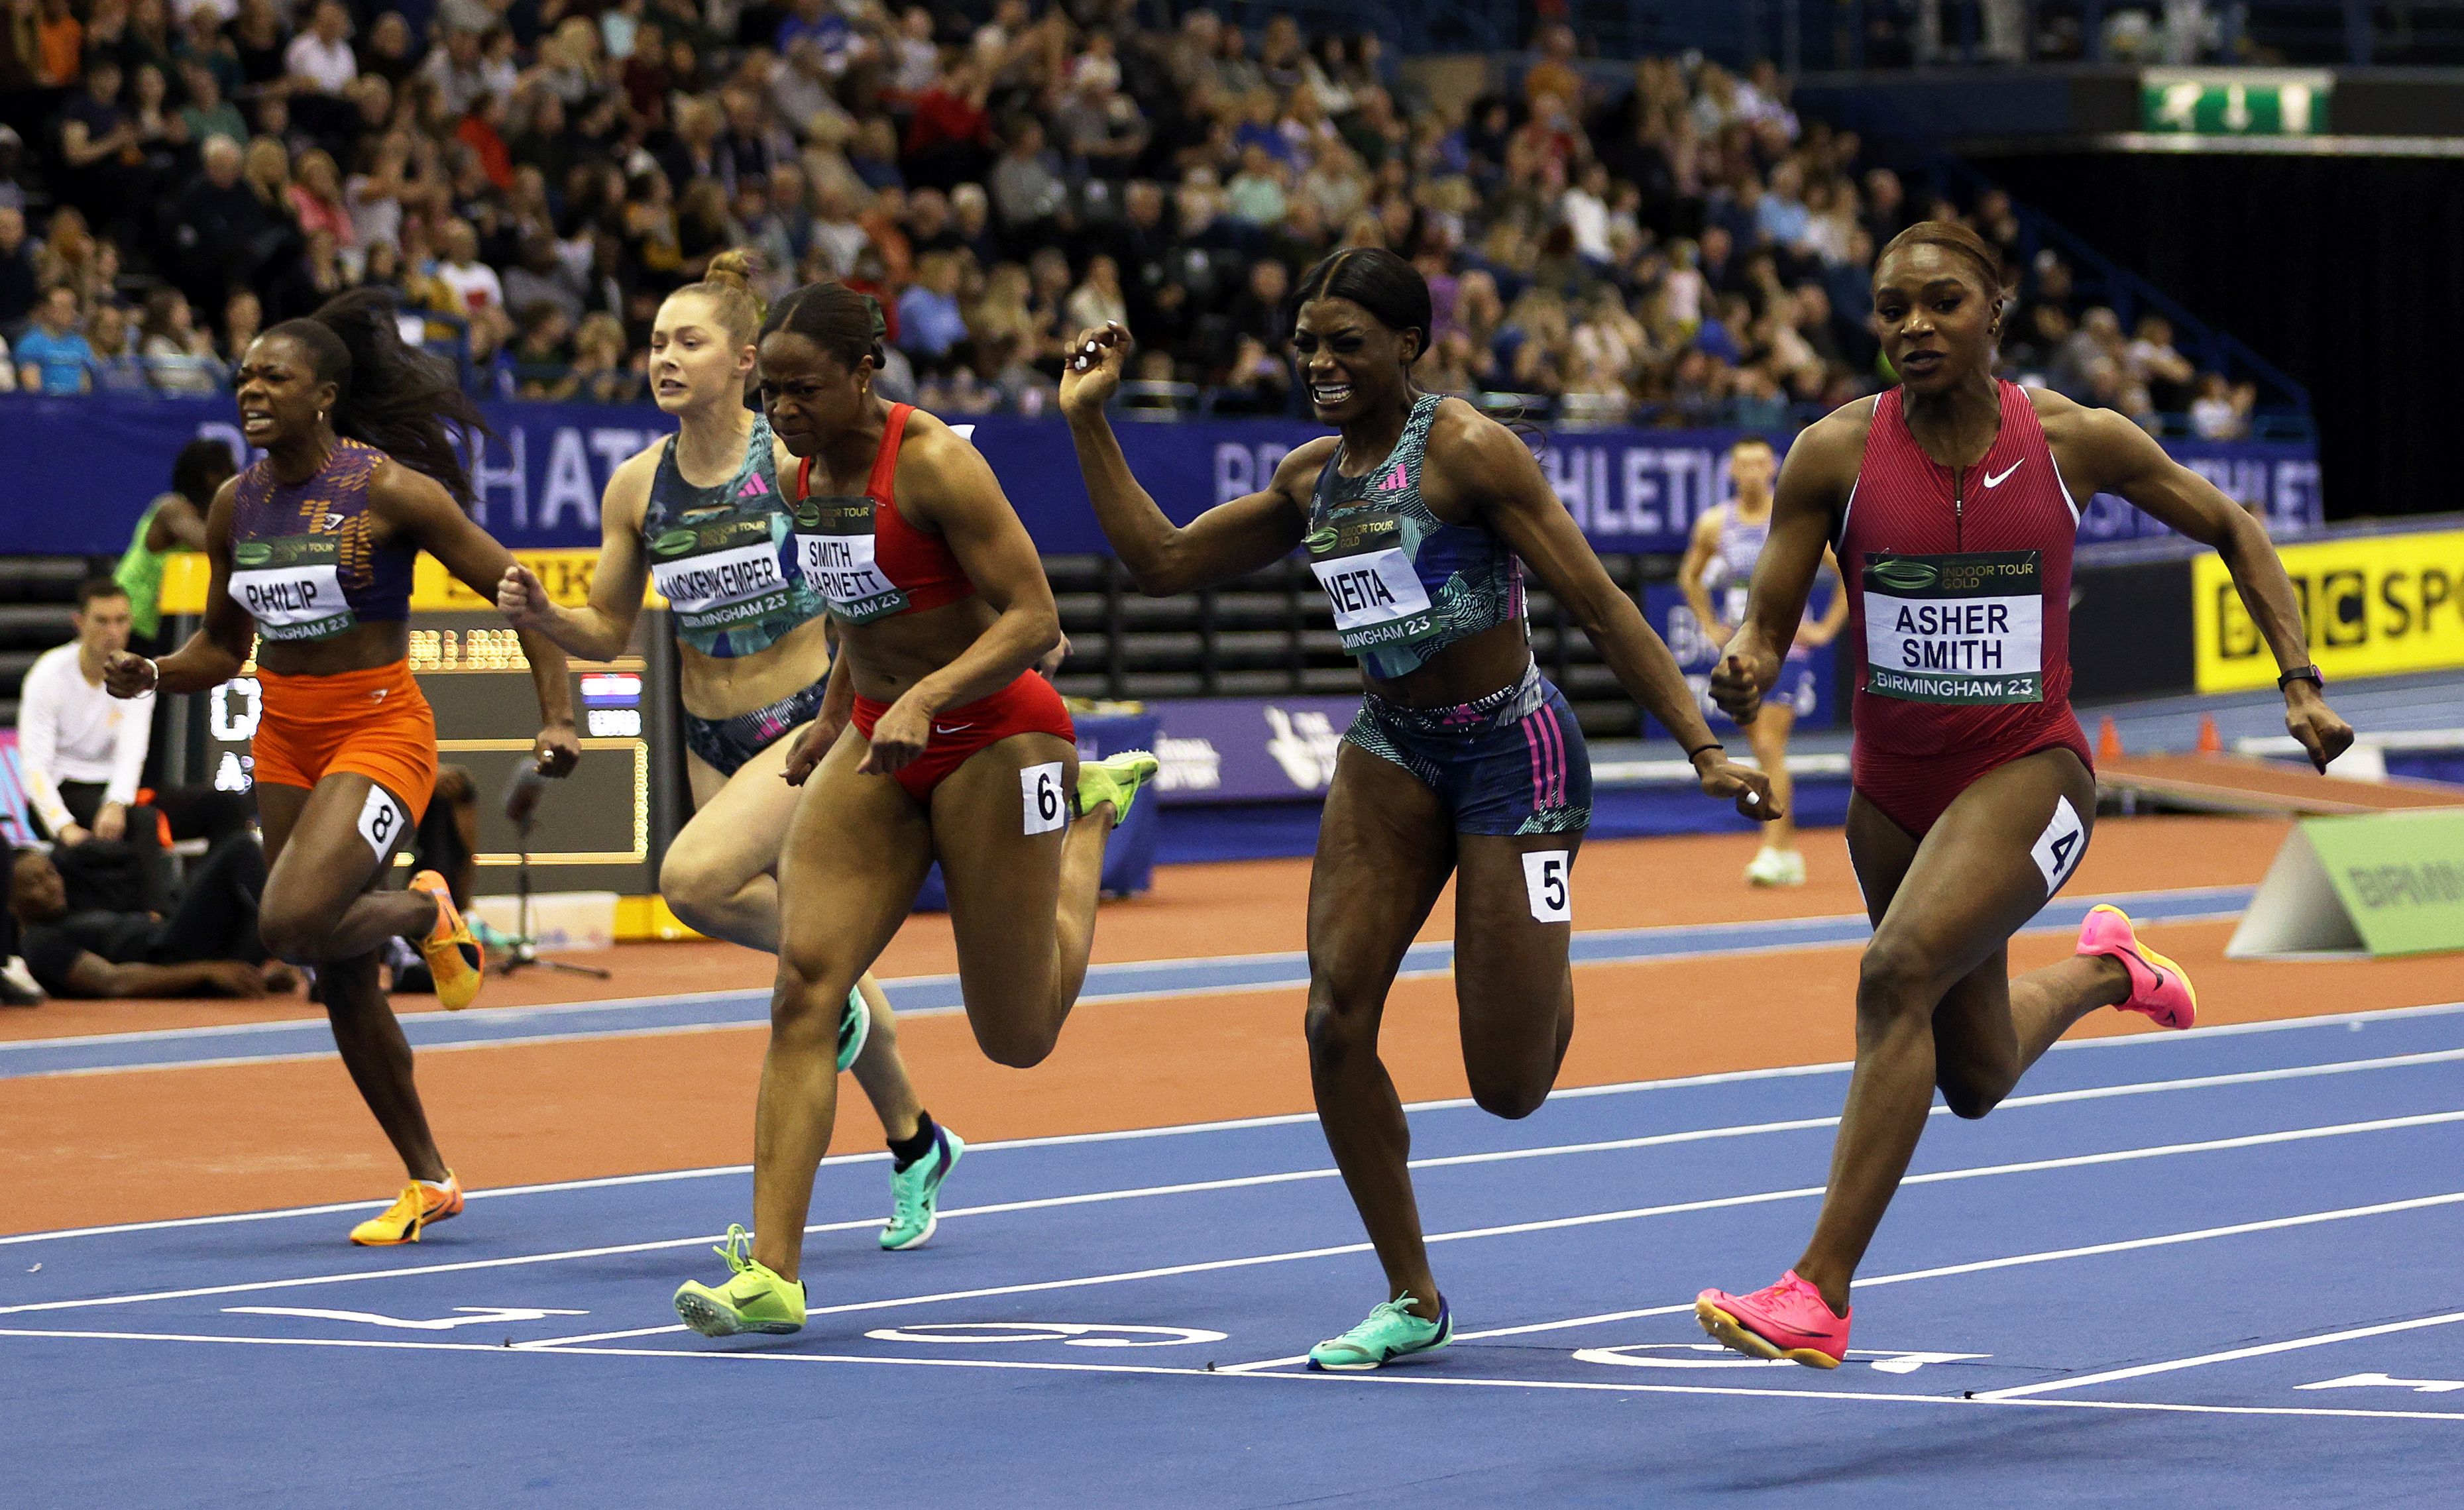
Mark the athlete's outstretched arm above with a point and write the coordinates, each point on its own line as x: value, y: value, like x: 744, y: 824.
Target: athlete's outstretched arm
x: 1482, y: 464
x: 1228, y: 540
x: 599, y: 629
x: 1812, y: 484
x: 214, y: 654
x: 416, y: 507
x: 2124, y: 459
x: 954, y: 490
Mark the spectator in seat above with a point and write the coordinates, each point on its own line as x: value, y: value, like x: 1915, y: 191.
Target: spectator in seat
x: 2221, y: 412
x: 472, y: 284
x: 98, y: 146
x: 18, y: 285
x: 52, y: 356
x: 221, y: 230
x: 2152, y: 360
x: 319, y: 60
x: 118, y: 368
x: 541, y: 278
x: 929, y: 320
x: 209, y: 947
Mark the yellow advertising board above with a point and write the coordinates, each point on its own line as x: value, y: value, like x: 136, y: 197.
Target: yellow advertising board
x: 564, y: 573
x: 2373, y: 605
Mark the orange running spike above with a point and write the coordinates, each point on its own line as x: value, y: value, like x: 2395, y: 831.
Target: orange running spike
x: 2211, y: 742
x: 2108, y: 740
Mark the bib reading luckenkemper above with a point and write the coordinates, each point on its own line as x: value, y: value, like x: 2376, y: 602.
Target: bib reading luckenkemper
x: 1966, y: 628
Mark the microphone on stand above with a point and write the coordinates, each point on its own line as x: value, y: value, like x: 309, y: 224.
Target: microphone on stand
x: 523, y: 790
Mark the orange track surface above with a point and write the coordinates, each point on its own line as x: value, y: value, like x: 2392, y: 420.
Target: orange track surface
x: 141, y: 1145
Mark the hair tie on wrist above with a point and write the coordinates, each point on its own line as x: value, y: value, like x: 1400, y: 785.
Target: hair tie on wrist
x: 1699, y: 748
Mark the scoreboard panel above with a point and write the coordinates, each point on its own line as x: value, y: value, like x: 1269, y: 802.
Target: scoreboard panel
x: 603, y: 828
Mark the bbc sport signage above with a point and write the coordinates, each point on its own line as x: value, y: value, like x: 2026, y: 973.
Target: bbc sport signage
x: 86, y: 466
x: 2371, y: 605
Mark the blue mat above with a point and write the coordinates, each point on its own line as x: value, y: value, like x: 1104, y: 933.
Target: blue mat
x: 2202, y: 1269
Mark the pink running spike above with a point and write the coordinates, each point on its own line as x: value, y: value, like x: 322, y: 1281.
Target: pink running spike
x: 1789, y: 1320
x: 2158, y: 987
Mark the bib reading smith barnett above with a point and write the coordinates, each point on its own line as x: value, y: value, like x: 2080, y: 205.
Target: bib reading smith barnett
x: 1962, y: 588
x: 302, y: 562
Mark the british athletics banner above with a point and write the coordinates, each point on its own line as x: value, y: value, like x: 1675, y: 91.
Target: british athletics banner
x: 77, y: 472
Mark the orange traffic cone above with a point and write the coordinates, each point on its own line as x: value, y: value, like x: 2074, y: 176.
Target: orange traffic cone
x: 2108, y: 740
x: 2211, y: 742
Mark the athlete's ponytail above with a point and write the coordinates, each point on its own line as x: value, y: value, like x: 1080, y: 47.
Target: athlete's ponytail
x: 386, y: 394
x: 728, y: 285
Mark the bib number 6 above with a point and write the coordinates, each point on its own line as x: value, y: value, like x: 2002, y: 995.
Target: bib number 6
x: 1547, y: 880
x: 1046, y: 805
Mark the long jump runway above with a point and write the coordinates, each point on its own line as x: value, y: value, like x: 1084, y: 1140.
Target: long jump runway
x: 2208, y: 1268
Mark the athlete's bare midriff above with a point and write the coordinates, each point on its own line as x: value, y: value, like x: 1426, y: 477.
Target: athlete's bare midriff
x: 716, y: 688
x: 889, y: 655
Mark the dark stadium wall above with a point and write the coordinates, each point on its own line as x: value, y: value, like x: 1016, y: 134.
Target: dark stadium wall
x: 2347, y: 272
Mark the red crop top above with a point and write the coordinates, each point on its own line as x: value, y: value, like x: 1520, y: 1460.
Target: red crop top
x: 861, y: 554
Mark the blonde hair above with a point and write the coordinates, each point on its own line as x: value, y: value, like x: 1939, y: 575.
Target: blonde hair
x: 728, y: 285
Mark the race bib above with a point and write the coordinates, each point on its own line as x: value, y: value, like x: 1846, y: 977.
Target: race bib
x: 837, y: 553
x: 720, y: 571
x: 1967, y: 629
x: 292, y: 586
x: 1370, y: 580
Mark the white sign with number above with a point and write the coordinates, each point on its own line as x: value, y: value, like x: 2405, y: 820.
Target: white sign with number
x: 1547, y: 878
x: 1047, y: 806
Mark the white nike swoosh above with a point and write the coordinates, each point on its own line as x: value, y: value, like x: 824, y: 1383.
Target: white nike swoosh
x: 952, y: 729
x: 1992, y: 481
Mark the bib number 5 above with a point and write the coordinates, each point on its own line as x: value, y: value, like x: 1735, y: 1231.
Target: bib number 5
x: 1547, y: 880
x: 1046, y: 805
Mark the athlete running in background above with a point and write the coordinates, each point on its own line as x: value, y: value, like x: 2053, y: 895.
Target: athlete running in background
x: 935, y: 741
x: 311, y: 550
x: 1417, y: 519
x: 1953, y: 501
x: 1720, y: 558
x: 701, y: 514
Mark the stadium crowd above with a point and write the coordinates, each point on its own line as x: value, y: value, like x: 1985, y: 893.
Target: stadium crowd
x: 534, y: 175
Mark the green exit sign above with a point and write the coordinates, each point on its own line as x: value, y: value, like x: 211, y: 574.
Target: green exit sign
x: 2234, y: 102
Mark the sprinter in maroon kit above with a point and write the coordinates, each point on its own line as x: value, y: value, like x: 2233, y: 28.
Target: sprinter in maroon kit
x: 1952, y: 502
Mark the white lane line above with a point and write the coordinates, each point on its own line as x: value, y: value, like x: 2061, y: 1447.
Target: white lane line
x: 1382, y: 1378
x: 2352, y: 1020
x: 1680, y: 1208
x: 1282, y: 958
x: 1192, y: 1187
x: 1977, y: 1266
x: 2231, y: 1355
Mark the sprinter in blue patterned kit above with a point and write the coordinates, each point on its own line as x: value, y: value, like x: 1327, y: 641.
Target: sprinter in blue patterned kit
x: 1509, y: 762
x: 1463, y: 763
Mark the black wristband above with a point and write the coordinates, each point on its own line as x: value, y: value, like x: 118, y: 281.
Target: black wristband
x: 2301, y: 673
x: 1699, y: 748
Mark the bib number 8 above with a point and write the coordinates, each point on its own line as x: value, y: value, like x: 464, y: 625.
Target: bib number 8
x: 1046, y: 807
